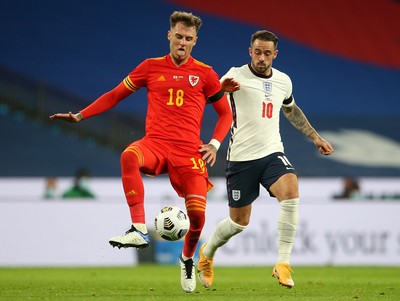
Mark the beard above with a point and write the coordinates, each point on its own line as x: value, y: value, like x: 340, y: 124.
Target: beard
x: 261, y: 68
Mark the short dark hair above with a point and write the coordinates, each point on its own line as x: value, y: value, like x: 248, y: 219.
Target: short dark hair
x: 264, y: 35
x: 187, y: 18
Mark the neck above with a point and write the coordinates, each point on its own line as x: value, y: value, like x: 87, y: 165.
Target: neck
x: 178, y: 62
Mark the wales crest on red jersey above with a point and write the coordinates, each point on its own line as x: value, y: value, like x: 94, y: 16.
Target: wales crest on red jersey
x: 193, y: 80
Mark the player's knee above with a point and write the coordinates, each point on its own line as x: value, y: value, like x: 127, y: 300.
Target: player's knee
x: 286, y: 194
x: 130, y: 157
x: 240, y: 215
x: 291, y: 195
x: 241, y: 220
x: 236, y: 228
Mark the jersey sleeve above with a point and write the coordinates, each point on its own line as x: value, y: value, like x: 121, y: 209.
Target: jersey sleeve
x: 137, y: 78
x: 224, y: 118
x: 106, y: 101
x: 288, y: 102
x: 230, y: 74
x: 289, y: 99
x: 221, y: 106
x: 213, y: 86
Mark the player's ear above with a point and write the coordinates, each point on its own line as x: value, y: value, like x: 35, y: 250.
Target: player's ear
x: 250, y: 51
x: 169, y: 35
x: 275, y: 54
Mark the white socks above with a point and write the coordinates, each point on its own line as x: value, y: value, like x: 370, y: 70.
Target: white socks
x: 287, y: 224
x: 224, y: 231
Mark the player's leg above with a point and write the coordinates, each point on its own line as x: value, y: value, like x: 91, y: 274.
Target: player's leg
x: 224, y: 231
x: 285, y: 189
x: 236, y: 222
x: 132, y: 161
x: 243, y: 189
x: 287, y: 193
x: 195, y: 191
x: 189, y: 177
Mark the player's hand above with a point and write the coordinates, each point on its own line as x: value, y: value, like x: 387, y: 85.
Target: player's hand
x: 67, y: 117
x: 323, y: 146
x: 230, y: 85
x: 209, y: 152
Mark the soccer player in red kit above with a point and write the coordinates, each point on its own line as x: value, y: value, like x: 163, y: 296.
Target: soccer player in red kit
x: 178, y: 88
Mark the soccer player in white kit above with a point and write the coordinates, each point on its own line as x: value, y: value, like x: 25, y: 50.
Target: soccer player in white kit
x: 256, y: 154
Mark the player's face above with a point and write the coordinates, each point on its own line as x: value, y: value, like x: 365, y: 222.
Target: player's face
x: 262, y: 54
x: 181, y: 41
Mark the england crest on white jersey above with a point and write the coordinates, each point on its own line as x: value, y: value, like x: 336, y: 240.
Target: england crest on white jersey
x: 267, y: 87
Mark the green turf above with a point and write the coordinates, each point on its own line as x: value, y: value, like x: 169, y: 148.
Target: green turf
x: 160, y: 282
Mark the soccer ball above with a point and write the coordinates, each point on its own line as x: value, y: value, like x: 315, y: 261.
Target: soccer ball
x: 171, y: 223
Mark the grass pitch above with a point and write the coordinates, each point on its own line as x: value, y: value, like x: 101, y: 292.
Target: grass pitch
x: 160, y: 282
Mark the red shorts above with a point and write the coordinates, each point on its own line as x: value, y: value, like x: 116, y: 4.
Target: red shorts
x: 160, y: 157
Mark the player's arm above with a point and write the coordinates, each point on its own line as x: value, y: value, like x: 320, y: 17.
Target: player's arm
x: 297, y: 118
x: 100, y: 105
x: 221, y: 106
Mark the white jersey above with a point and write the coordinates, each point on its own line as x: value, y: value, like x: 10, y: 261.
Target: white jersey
x: 256, y: 109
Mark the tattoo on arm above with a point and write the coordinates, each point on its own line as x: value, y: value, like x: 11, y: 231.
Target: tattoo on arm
x: 297, y: 118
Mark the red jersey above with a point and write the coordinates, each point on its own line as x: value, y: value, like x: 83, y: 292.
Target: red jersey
x: 176, y: 97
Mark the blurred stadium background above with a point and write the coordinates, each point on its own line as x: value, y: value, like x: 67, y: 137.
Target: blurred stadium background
x: 58, y: 56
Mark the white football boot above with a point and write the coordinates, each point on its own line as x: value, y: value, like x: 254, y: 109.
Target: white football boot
x: 132, y: 238
x: 188, y: 277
